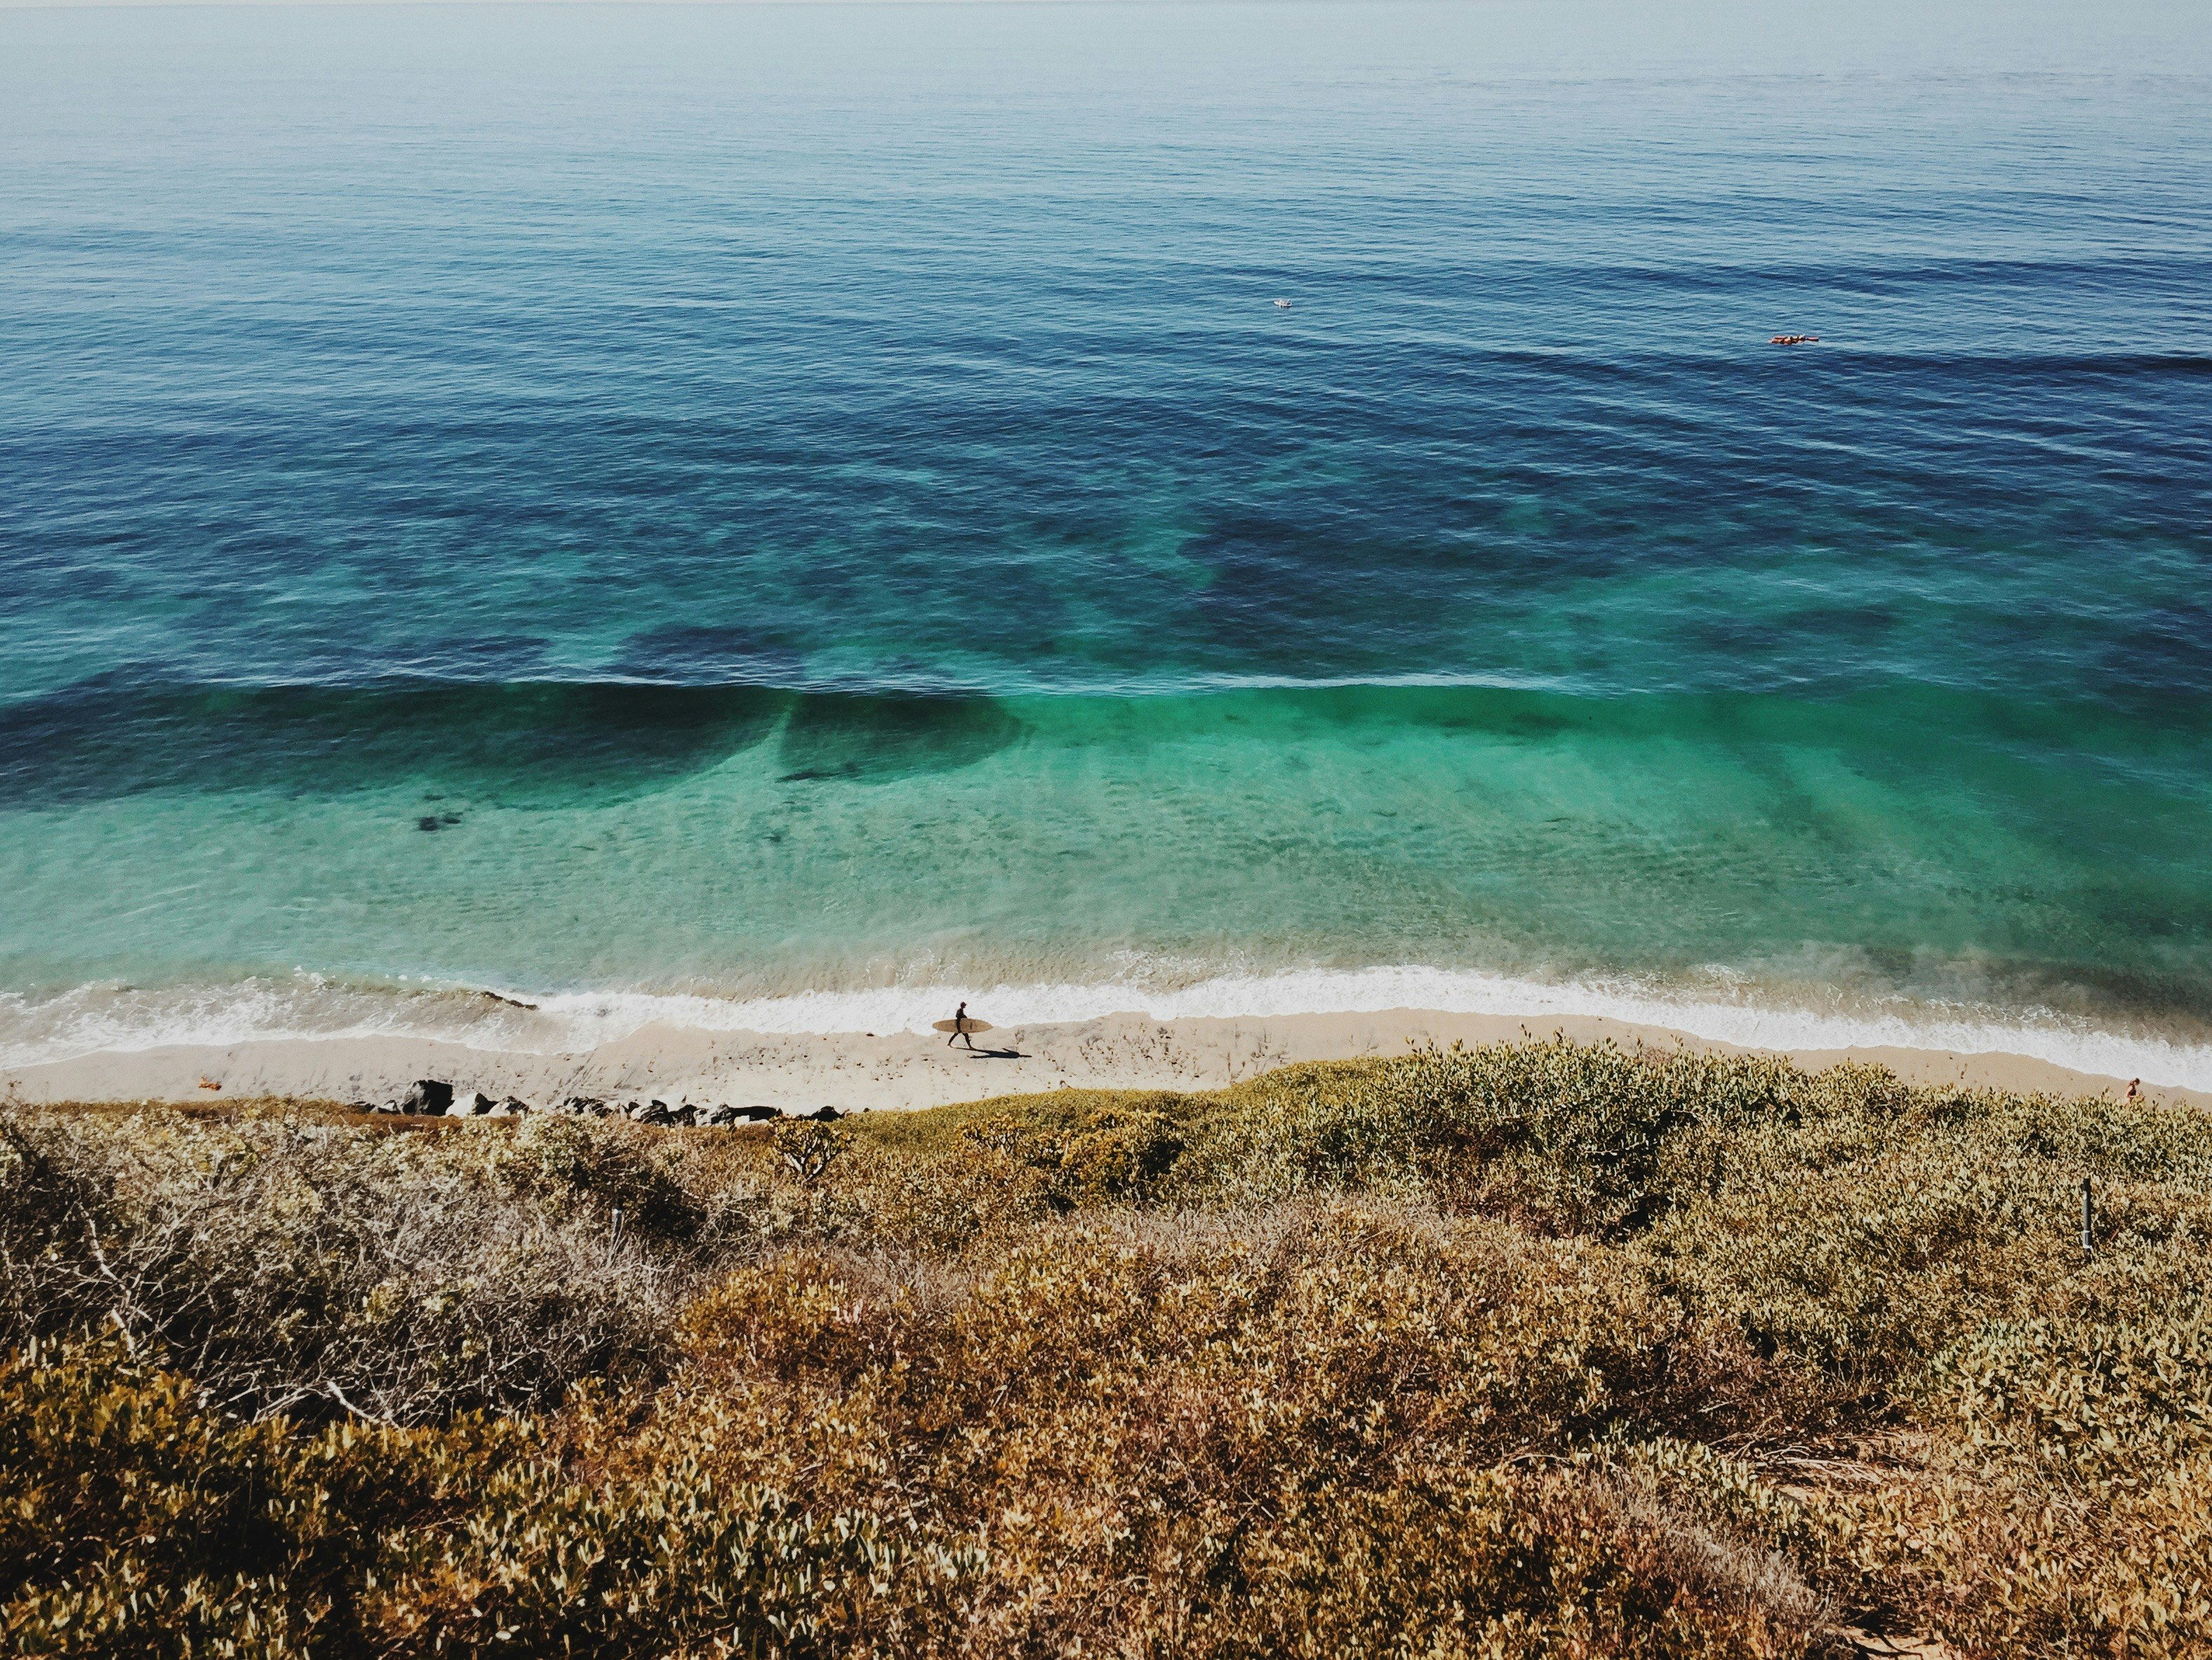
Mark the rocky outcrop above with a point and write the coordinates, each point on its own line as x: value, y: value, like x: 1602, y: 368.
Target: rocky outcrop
x: 430, y: 1095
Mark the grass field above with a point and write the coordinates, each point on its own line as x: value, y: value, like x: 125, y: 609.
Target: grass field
x: 1533, y: 1350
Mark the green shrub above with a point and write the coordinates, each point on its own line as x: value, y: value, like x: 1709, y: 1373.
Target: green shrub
x: 1112, y: 1154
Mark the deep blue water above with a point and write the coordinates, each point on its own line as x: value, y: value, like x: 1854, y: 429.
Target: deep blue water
x: 803, y: 499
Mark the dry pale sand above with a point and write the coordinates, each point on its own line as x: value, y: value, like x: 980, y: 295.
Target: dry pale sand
x: 853, y: 1071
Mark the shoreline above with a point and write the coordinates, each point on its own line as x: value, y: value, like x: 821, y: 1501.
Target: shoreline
x: 902, y: 1069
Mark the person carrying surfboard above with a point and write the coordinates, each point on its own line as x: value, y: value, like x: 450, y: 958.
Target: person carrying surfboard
x: 963, y: 1025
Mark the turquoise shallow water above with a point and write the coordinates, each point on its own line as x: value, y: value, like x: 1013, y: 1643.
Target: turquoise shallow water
x: 693, y: 511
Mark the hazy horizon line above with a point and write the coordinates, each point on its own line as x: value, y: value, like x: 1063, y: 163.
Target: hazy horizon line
x: 394, y: 5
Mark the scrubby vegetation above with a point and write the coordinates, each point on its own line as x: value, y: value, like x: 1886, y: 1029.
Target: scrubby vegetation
x: 1535, y: 1350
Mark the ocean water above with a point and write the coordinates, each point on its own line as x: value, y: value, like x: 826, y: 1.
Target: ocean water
x: 781, y: 516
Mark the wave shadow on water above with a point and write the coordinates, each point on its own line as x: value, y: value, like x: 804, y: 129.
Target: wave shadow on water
x: 873, y: 739
x: 530, y: 744
x: 520, y: 745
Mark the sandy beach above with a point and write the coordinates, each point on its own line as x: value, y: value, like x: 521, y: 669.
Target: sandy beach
x: 854, y: 1071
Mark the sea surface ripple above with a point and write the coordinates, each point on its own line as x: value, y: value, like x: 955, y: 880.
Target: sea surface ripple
x: 781, y: 513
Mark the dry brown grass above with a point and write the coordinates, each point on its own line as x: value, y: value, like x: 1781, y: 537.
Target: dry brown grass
x: 1534, y: 1350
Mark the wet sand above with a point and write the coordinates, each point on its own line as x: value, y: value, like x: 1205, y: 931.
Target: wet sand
x: 856, y: 1070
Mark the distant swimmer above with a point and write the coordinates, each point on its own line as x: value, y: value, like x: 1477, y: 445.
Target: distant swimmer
x: 1794, y: 340
x: 1283, y: 304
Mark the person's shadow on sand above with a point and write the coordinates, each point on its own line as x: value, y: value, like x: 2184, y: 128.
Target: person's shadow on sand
x: 997, y: 1055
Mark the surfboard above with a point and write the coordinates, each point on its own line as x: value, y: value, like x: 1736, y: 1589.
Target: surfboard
x: 971, y: 1024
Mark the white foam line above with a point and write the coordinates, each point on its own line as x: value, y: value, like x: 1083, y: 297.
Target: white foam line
x: 2077, y: 1045
x: 567, y: 1022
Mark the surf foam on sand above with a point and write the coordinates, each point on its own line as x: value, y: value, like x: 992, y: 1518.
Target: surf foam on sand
x: 121, y: 1020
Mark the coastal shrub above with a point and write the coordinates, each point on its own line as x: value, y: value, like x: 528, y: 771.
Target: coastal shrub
x: 1561, y: 1137
x: 2105, y: 1405
x: 1531, y: 1350
x: 589, y: 1168
x: 1871, y: 1235
x: 294, y: 1268
x: 1181, y: 1439
x: 133, y: 1522
x: 1112, y: 1154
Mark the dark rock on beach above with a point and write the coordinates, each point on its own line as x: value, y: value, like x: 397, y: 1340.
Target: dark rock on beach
x: 430, y: 1095
x: 427, y: 1095
x: 683, y: 1115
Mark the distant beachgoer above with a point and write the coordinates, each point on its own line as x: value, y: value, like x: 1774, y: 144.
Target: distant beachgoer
x: 2134, y: 1089
x: 960, y: 1033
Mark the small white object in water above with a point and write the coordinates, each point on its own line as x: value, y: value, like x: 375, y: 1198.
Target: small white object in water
x: 1284, y: 303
